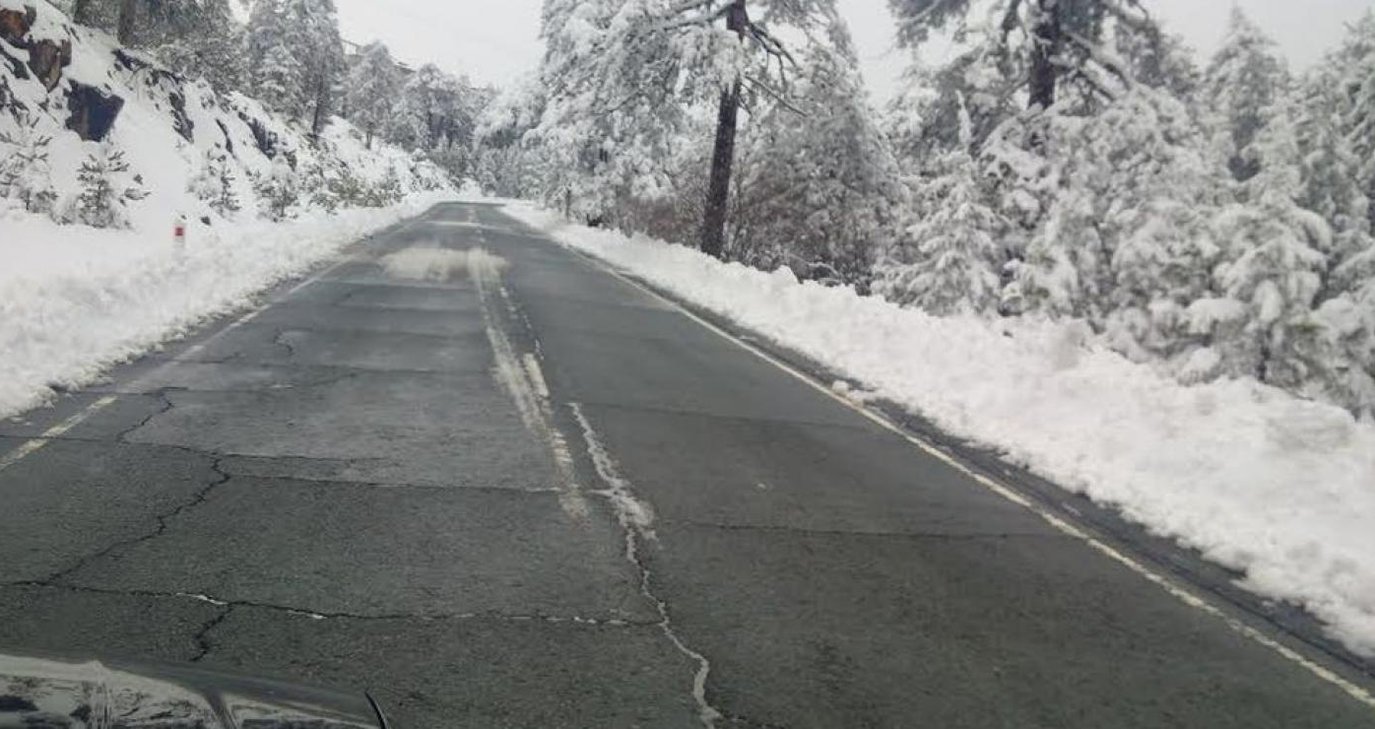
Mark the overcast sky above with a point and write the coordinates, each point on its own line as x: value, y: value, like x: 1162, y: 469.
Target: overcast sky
x: 495, y: 41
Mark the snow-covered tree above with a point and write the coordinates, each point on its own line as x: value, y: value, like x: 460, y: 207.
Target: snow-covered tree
x: 621, y: 76
x: 818, y: 178
x: 276, y: 69
x: 1124, y: 238
x: 106, y: 189
x: 1351, y: 68
x: 321, y: 49
x: 606, y: 123
x: 296, y: 58
x: 1243, y: 81
x: 504, y: 162
x: 1273, y: 265
x: 1329, y: 172
x: 374, y: 83
x: 1347, y: 349
x: 952, y: 254
x: 1057, y: 52
x: 437, y: 115
x: 25, y: 172
x: 215, y: 183
x: 201, y: 39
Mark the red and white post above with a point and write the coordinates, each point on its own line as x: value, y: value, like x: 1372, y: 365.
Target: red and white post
x: 179, y: 233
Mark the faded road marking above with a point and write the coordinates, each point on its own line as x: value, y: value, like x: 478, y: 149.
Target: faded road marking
x: 34, y: 445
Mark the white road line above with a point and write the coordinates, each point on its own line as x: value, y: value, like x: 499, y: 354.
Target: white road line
x: 520, y: 375
x: 33, y: 445
x: 1181, y: 593
x: 536, y: 373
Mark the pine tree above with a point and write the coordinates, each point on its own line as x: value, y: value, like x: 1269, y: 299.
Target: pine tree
x: 296, y: 59
x: 215, y: 183
x: 373, y: 87
x: 106, y: 190
x: 1273, y: 264
x: 25, y: 173
x: 317, y: 42
x: 1352, y: 69
x: 201, y: 39
x: 276, y: 71
x: 1329, y: 172
x: 954, y: 257
x: 1124, y: 240
x: 1243, y: 81
x: 437, y: 111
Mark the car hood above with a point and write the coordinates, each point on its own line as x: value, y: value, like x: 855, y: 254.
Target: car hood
x: 42, y: 692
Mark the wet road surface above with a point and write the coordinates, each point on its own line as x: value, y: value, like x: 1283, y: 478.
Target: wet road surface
x: 506, y: 488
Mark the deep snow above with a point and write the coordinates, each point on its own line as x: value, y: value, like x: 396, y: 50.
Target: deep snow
x: 1258, y: 480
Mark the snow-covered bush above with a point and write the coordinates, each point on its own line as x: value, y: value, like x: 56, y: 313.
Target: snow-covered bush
x: 279, y: 190
x: 106, y: 189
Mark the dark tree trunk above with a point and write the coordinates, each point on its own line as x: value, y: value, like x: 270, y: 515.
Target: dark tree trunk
x: 713, y: 236
x: 128, y: 17
x: 81, y: 11
x: 317, y: 121
x: 1047, y: 36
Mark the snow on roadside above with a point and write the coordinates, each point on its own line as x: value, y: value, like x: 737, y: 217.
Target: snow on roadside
x: 76, y: 300
x: 1258, y: 480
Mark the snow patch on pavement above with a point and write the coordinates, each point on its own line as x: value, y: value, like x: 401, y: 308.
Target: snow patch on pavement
x: 1258, y: 480
x: 432, y: 263
x: 632, y: 513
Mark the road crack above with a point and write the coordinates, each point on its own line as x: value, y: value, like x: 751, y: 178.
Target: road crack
x: 202, y: 636
x: 226, y: 604
x: 197, y: 498
x: 279, y: 340
x: 165, y: 405
x: 636, y: 520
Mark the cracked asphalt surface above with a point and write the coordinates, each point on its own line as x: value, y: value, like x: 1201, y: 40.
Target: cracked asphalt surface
x: 347, y: 489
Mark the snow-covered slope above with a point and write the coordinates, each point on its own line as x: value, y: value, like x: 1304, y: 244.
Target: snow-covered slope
x: 1257, y: 479
x: 74, y: 299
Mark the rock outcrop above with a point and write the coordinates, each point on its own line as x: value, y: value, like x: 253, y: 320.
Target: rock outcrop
x: 47, y: 57
x: 93, y: 112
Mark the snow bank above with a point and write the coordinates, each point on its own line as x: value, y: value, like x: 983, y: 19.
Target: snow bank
x: 75, y: 300
x: 1258, y: 480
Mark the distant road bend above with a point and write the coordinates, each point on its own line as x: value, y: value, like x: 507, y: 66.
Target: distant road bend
x: 501, y: 486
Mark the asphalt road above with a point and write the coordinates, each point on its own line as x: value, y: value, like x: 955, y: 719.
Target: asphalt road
x: 526, y: 493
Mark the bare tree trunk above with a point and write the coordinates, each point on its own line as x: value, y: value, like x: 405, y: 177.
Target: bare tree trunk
x: 128, y: 16
x: 1047, y: 38
x: 713, y: 235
